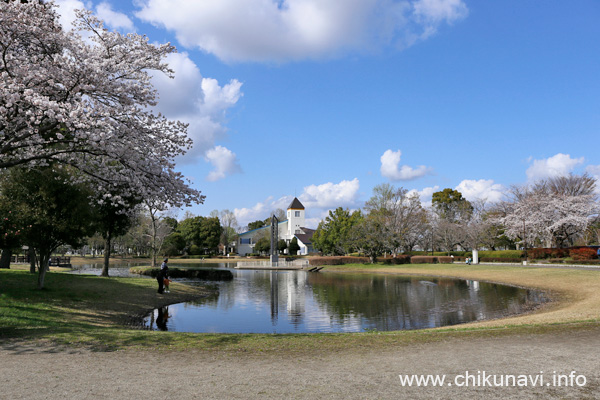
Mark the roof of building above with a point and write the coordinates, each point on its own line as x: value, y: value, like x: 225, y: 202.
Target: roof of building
x: 295, y: 205
x: 305, y: 237
x: 262, y: 227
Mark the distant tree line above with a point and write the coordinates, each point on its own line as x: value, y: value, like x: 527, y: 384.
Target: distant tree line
x: 555, y: 212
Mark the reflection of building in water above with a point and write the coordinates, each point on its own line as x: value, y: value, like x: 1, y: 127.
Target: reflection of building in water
x: 295, y: 288
x: 290, y: 287
x: 474, y: 296
x: 274, y: 297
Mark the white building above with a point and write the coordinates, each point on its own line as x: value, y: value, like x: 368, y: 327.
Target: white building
x: 288, y: 229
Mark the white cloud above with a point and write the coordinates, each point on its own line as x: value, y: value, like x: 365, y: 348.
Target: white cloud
x: 557, y: 165
x: 268, y: 30
x: 104, y: 11
x: 261, y: 210
x: 483, y: 189
x: 113, y: 19
x: 224, y: 162
x: 246, y: 215
x: 189, y: 97
x: 317, y: 199
x: 425, y: 194
x: 331, y: 195
x: 391, y: 169
x: 438, y: 11
x: 200, y: 102
x: 66, y: 11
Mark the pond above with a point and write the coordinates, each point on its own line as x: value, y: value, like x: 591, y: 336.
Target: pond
x: 120, y: 269
x: 259, y: 301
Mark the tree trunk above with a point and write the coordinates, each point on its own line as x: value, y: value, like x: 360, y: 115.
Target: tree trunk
x: 107, y: 245
x: 32, y: 260
x: 5, y: 259
x: 43, y: 267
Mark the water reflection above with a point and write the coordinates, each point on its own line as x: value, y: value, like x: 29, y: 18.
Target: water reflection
x: 118, y: 268
x: 274, y: 297
x: 121, y: 268
x: 160, y: 316
x: 298, y: 301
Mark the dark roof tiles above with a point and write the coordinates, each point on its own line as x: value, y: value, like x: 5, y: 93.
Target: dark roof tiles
x: 295, y: 205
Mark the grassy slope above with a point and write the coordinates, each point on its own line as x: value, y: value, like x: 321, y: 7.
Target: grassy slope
x: 91, y: 311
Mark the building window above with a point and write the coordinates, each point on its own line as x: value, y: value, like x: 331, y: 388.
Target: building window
x: 245, y: 241
x: 297, y: 214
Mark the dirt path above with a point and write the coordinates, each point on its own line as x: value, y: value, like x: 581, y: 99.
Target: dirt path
x: 30, y: 372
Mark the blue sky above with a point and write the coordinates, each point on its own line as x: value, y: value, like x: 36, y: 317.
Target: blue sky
x: 324, y: 99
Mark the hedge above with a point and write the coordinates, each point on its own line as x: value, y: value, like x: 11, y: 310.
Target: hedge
x: 540, y: 254
x: 501, y: 259
x: 423, y: 259
x: 442, y: 253
x: 338, y: 260
x: 516, y: 254
x: 208, y: 274
x: 431, y: 259
x: 399, y: 259
x: 585, y: 253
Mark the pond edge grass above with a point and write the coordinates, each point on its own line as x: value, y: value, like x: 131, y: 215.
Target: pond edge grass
x: 112, y: 334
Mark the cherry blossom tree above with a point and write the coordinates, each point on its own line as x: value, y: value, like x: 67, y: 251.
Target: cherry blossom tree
x: 553, y: 212
x: 84, y: 98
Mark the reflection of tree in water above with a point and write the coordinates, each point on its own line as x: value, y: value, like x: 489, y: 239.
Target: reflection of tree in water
x: 280, y: 289
x: 395, y: 303
x: 162, y: 318
x: 333, y: 302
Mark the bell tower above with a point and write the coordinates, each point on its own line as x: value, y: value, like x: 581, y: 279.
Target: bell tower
x: 295, y: 216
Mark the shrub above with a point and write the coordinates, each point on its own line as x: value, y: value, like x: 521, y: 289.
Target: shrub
x: 195, y: 250
x: 338, y: 260
x: 199, y: 273
x: 461, y: 254
x: 423, y: 259
x: 500, y: 259
x: 442, y: 253
x: 445, y: 259
x: 584, y: 253
x: 541, y: 253
x: 399, y: 259
x: 501, y: 254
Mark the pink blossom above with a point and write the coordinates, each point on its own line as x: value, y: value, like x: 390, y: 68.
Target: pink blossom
x: 94, y: 97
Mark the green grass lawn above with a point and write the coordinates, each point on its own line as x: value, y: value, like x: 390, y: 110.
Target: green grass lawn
x: 96, y: 312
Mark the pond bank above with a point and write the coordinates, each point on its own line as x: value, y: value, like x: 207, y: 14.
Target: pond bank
x: 85, y: 336
x: 90, y: 311
x: 208, y: 274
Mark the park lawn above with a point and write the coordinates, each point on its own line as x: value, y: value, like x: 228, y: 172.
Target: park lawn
x: 97, y: 312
